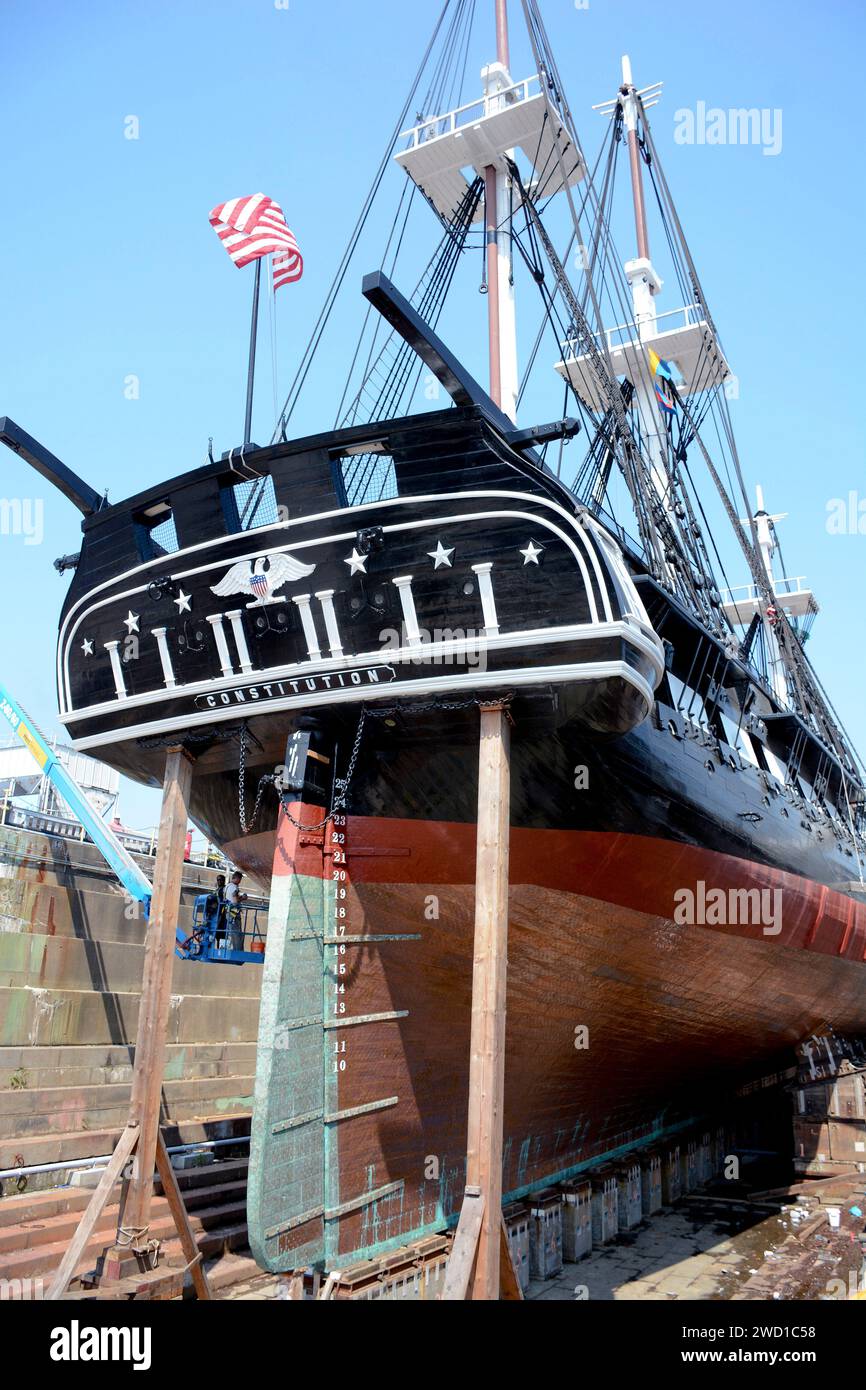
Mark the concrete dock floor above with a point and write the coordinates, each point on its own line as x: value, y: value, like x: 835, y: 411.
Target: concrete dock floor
x: 682, y: 1255
x: 679, y: 1256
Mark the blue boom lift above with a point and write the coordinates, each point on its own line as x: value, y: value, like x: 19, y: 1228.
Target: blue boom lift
x: 219, y: 934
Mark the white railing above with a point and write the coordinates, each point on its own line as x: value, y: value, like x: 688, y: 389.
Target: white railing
x: 462, y: 115
x: 782, y: 588
x: 627, y: 334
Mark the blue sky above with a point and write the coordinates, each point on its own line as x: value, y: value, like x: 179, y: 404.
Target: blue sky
x: 110, y: 269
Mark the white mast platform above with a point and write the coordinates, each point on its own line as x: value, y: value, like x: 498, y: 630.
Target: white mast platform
x: 742, y: 604
x: 479, y: 135
x: 443, y: 156
x: 680, y: 337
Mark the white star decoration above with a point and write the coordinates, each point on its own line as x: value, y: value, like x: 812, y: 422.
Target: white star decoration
x: 531, y: 554
x: 440, y: 556
x: 130, y: 622
x: 183, y: 601
x: 357, y: 563
x: 87, y: 647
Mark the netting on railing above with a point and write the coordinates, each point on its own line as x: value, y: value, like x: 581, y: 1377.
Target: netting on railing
x: 256, y: 503
x: 164, y: 536
x: 369, y: 478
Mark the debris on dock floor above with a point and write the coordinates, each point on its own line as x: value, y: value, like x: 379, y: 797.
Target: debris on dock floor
x: 703, y: 1249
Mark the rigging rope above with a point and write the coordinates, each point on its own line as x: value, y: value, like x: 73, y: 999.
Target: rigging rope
x: 342, y: 269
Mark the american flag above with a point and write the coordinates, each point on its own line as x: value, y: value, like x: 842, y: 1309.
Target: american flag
x: 252, y: 227
x: 288, y: 265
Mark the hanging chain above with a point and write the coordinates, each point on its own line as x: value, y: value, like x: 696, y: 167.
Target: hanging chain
x: 342, y: 784
x: 267, y: 780
x: 341, y: 787
x: 431, y: 706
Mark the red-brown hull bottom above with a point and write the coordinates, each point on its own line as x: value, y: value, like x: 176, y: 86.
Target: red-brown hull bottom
x: 620, y: 1024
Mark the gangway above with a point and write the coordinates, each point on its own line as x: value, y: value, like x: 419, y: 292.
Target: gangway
x: 198, y: 946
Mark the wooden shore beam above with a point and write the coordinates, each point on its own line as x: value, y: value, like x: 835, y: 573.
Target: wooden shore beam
x: 480, y: 1266
x: 150, y: 1043
x: 77, y: 1246
x: 142, y: 1140
x: 174, y: 1197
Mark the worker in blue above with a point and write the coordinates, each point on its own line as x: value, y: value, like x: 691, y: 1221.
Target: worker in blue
x: 215, y: 910
x: 234, y: 901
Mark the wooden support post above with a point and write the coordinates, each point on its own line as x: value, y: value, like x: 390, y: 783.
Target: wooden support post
x: 476, y: 1255
x: 509, y: 1280
x: 487, y: 1063
x: 464, y: 1251
x: 150, y: 1043
x: 181, y: 1220
x: 77, y: 1246
x: 142, y: 1136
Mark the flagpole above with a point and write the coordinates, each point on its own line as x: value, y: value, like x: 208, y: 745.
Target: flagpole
x: 251, y: 369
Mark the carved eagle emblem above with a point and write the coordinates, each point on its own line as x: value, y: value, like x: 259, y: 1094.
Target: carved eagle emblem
x: 261, y: 578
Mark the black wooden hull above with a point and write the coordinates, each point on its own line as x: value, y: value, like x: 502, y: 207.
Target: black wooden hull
x: 648, y: 782
x: 470, y: 573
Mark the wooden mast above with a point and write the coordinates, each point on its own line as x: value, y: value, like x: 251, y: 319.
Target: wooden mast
x: 634, y: 156
x: 644, y: 284
x: 251, y: 364
x: 503, y: 55
x: 494, y: 181
x: 493, y: 326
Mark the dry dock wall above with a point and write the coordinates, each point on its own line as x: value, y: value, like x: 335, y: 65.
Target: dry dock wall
x: 71, y: 958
